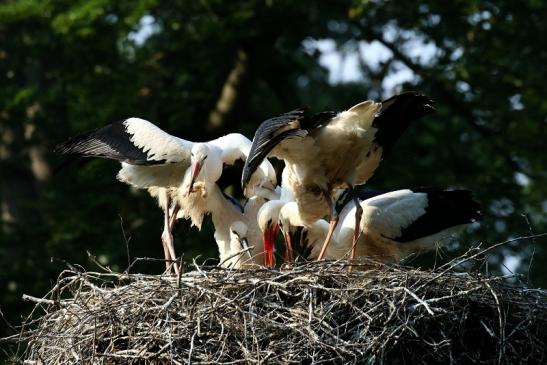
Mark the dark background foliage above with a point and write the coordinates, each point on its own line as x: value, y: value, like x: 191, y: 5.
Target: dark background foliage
x: 199, y: 69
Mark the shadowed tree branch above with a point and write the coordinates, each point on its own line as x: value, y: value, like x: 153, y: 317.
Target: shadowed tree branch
x: 230, y: 92
x: 451, y: 96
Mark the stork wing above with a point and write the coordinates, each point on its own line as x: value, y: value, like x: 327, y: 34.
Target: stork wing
x: 396, y: 115
x: 133, y: 141
x: 273, y: 131
x: 388, y: 214
x: 344, y: 197
x: 408, y: 215
x: 445, y: 209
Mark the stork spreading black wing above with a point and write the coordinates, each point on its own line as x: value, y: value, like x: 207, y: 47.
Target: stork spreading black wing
x: 135, y: 141
x: 267, y: 136
x: 445, y: 209
x: 294, y: 124
x: 396, y: 115
x: 112, y: 141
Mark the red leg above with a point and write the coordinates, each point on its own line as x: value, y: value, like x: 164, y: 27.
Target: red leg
x: 332, y: 224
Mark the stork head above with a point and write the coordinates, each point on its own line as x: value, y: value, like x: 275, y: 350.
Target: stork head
x: 238, y: 233
x: 268, y: 223
x: 198, y: 156
x: 205, y: 164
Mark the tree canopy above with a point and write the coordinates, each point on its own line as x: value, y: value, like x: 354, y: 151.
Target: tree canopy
x: 199, y: 69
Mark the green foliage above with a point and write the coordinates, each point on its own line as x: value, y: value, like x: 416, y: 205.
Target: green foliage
x: 70, y: 66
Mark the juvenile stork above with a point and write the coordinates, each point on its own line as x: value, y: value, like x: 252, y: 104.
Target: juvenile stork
x: 393, y: 225
x: 328, y: 151
x: 155, y: 160
x: 235, y: 231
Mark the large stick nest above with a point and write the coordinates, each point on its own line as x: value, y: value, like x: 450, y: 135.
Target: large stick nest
x: 312, y: 313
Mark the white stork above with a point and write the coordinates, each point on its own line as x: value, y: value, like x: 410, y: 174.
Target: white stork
x: 155, y: 160
x: 393, y: 225
x: 230, y: 220
x: 327, y: 151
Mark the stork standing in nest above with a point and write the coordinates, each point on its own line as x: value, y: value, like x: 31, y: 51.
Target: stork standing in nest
x: 328, y: 151
x: 155, y: 160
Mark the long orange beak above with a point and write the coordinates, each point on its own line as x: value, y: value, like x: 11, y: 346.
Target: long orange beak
x: 268, y: 237
x: 196, y: 168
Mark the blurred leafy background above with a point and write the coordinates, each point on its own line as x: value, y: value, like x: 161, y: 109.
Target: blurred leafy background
x: 199, y: 69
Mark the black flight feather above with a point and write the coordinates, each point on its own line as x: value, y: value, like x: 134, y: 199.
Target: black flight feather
x: 275, y: 130
x: 266, y: 138
x: 397, y: 113
x: 111, y: 141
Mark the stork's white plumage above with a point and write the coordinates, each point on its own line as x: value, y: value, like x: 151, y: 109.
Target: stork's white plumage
x: 226, y: 212
x: 155, y: 160
x: 393, y: 225
x: 239, y: 253
x: 327, y: 151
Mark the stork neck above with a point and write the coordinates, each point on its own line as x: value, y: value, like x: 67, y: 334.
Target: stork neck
x: 223, y: 212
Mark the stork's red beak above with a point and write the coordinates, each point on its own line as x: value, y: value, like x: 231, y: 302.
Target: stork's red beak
x: 268, y: 237
x: 196, y: 168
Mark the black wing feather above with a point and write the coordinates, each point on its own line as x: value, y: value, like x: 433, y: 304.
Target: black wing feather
x: 268, y: 135
x: 301, y: 246
x: 445, y: 209
x: 397, y: 113
x: 112, y: 142
x: 265, y: 139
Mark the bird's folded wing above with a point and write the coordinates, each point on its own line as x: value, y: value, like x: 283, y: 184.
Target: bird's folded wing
x: 133, y: 141
x: 390, y: 213
x: 409, y: 215
x: 445, y: 209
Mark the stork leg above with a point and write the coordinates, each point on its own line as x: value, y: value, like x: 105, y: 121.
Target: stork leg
x: 165, y: 245
x: 172, y: 218
x: 167, y: 236
x: 332, y: 224
x: 165, y: 240
x: 358, y: 215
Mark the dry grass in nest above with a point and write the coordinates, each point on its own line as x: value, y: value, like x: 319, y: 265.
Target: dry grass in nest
x: 312, y: 313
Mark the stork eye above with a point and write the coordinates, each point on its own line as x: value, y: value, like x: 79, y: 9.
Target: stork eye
x: 205, y: 158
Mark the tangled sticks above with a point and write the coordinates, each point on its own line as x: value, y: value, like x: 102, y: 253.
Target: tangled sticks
x: 316, y: 312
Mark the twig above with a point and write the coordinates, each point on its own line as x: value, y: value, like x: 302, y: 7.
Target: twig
x: 126, y: 240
